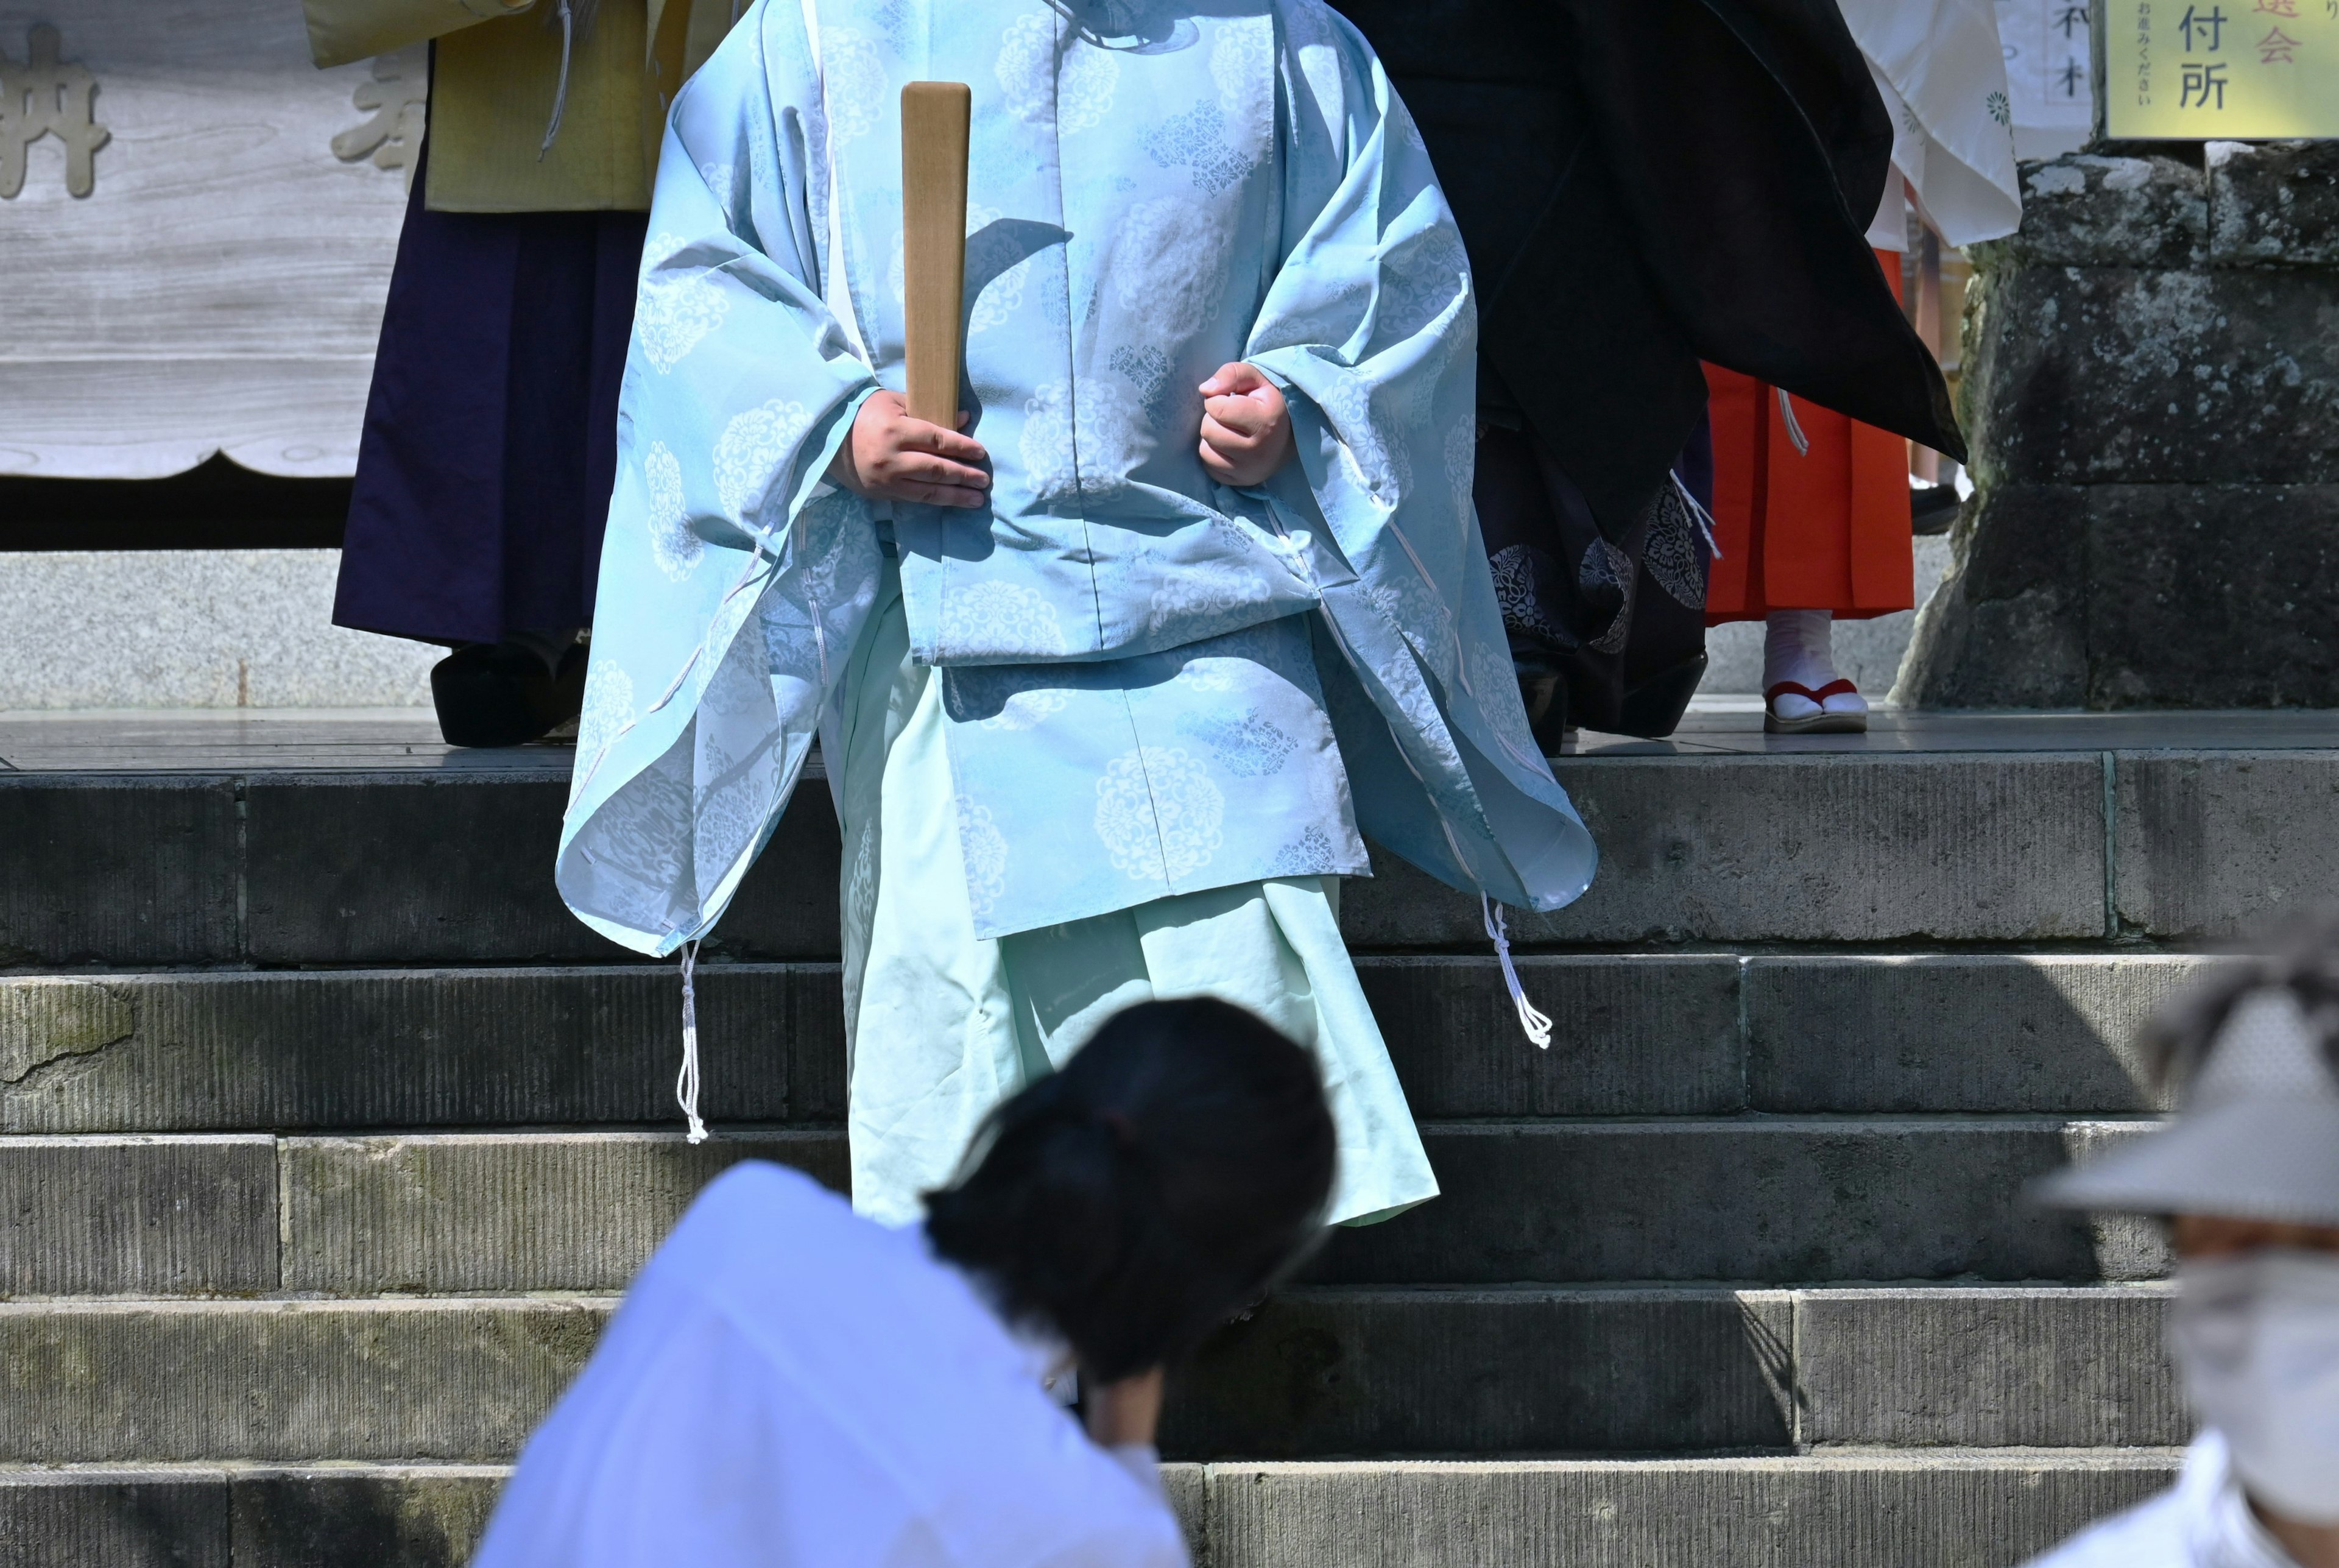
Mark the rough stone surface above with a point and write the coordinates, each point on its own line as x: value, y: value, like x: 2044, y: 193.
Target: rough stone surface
x: 2128, y: 375
x: 1639, y: 1035
x: 2152, y: 396
x: 413, y: 1048
x: 415, y: 869
x: 118, y: 871
x: 457, y: 1212
x: 1799, y: 848
x: 2273, y: 203
x: 397, y: 1518
x: 194, y: 629
x: 294, y: 1381
x: 162, y: 1216
x: 2117, y: 596
x: 2031, y: 1367
x: 1780, y: 1200
x: 1645, y: 1035
x: 1949, y: 1510
x: 2221, y: 844
x: 2090, y: 211
x: 2008, y: 625
x: 1945, y: 1033
x: 1955, y: 1509
x: 2214, y: 596
x: 126, y: 1519
x: 388, y: 868
x: 2127, y: 1246
x: 1325, y: 1371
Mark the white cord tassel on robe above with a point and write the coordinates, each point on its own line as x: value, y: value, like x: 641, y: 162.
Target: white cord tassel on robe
x: 560, y: 94
x: 1794, y: 427
x: 1531, y: 1018
x: 1705, y: 518
x: 685, y: 1085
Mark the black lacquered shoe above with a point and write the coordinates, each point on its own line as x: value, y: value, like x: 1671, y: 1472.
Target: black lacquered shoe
x: 500, y: 695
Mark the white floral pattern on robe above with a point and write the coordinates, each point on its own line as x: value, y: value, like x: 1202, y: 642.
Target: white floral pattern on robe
x: 1158, y: 684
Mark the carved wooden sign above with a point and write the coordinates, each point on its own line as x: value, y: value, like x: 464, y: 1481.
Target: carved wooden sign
x: 196, y: 230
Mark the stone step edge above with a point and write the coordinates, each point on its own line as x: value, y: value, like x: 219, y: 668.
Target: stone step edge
x: 116, y: 1473
x: 765, y: 1131
x: 2105, y: 951
x: 1604, y: 1290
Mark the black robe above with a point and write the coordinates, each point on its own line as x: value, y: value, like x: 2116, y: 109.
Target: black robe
x: 1643, y: 184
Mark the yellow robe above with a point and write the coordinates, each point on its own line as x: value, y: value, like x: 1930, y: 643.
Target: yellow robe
x: 494, y: 74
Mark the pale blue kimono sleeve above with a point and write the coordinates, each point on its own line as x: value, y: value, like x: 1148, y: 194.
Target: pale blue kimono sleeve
x: 732, y: 580
x: 1370, y: 327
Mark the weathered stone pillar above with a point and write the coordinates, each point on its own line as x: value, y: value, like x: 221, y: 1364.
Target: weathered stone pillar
x: 2152, y: 393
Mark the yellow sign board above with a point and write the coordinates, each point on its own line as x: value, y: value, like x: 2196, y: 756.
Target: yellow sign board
x: 2201, y: 69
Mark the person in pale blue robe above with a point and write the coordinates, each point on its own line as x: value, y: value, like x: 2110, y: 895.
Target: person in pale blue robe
x: 1114, y: 723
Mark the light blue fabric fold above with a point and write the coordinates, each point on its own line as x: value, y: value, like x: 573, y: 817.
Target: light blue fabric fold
x: 1155, y: 187
x: 942, y: 1024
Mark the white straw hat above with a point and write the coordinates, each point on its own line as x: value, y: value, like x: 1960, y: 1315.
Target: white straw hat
x: 2257, y: 1135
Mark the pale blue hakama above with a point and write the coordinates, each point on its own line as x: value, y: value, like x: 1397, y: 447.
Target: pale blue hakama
x: 944, y: 1024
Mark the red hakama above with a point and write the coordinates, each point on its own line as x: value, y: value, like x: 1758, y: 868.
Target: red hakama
x: 1823, y: 530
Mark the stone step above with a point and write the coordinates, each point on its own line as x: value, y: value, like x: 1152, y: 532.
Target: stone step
x: 1640, y: 1034
x: 1318, y: 1372
x: 352, y: 867
x: 1321, y: 1371
x: 1952, y: 1509
x: 245, y: 1515
x: 1943, y: 1510
x: 1780, y: 1200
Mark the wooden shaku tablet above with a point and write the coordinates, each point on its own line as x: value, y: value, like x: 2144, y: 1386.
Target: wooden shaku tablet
x: 934, y: 116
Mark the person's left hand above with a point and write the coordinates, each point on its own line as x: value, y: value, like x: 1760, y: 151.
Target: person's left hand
x: 1246, y: 426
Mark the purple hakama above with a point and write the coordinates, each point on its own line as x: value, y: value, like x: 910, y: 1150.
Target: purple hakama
x: 491, y: 434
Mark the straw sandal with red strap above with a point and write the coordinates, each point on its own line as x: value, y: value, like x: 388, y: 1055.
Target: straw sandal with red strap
x: 1821, y: 723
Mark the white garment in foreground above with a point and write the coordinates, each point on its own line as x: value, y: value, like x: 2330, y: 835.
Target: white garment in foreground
x: 2202, y: 1522
x: 789, y: 1385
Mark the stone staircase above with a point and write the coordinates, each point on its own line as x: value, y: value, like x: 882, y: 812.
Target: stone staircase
x: 327, y: 1140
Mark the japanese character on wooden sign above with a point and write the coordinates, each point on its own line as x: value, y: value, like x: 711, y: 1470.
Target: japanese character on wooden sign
x: 2198, y: 69
x: 397, y: 94
x: 48, y: 97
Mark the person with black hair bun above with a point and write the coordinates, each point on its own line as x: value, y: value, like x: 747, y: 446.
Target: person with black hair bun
x: 788, y: 1383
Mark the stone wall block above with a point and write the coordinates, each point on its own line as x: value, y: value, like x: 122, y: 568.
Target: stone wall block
x: 1797, y: 849
x: 2273, y: 203
x: 2006, y: 627
x: 391, y: 1517
x: 2031, y: 1367
x: 2221, y: 844
x: 2213, y: 596
x: 1316, y: 1372
x: 1779, y: 1200
x: 2121, y: 374
x: 155, y: 1215
x: 1643, y: 1035
x: 1949, y: 1032
x: 414, y: 1048
x: 103, y: 1382
x: 522, y: 1211
x: 1955, y: 1511
x: 2083, y: 209
x: 117, y: 869
x: 124, y: 1519
x: 419, y: 868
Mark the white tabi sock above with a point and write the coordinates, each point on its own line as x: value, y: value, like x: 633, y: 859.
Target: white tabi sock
x: 1797, y: 648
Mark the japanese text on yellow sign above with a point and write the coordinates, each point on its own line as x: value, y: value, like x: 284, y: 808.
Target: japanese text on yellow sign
x: 2217, y: 68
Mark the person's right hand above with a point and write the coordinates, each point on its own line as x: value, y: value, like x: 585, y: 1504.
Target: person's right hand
x: 891, y: 457
x: 1125, y: 1412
